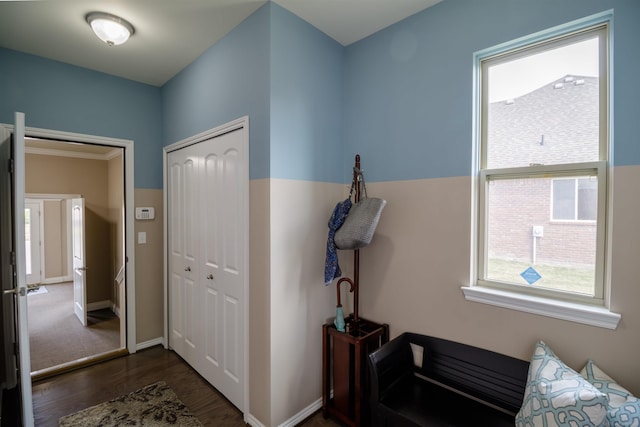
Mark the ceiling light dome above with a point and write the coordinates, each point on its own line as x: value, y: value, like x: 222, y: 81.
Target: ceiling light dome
x: 111, y: 29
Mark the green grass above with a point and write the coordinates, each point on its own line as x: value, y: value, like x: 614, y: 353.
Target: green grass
x: 570, y: 279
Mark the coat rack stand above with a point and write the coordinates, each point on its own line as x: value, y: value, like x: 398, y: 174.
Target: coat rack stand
x: 347, y: 370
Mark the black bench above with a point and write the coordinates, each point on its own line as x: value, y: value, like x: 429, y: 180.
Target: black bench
x: 453, y: 384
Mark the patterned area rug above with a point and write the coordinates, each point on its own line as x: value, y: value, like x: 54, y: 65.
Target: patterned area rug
x: 154, y: 405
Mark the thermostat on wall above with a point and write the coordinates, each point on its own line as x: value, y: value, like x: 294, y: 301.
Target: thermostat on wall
x: 145, y: 213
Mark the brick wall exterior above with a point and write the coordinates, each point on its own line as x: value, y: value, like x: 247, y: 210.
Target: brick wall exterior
x: 515, y: 207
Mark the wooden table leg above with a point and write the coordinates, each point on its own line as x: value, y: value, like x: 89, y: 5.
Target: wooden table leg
x: 326, y: 371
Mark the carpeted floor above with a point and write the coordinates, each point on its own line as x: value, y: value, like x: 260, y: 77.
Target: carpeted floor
x: 57, y: 336
x: 154, y: 405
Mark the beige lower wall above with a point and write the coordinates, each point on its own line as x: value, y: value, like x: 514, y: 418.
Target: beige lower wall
x: 300, y: 302
x: 420, y: 257
x: 411, y: 276
x: 259, y: 301
x: 149, y: 268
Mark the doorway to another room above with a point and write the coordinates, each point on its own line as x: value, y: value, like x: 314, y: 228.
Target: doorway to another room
x: 77, y: 312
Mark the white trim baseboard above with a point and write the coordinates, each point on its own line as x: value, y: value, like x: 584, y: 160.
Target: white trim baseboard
x: 253, y: 421
x: 54, y: 280
x: 92, y: 306
x: 150, y: 343
x: 293, y: 421
x: 303, y: 415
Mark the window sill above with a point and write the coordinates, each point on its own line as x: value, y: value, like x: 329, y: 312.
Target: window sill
x: 574, y: 312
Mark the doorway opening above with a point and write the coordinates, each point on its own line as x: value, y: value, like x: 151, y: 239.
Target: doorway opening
x: 59, y: 173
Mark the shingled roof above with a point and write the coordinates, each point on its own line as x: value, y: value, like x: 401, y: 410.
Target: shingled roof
x: 557, y: 123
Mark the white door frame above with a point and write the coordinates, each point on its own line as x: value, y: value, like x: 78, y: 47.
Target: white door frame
x: 242, y: 122
x: 127, y: 145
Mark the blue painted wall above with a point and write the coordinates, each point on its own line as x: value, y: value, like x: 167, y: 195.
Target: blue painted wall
x: 306, y: 101
x: 402, y: 98
x: 408, y: 88
x: 63, y: 97
x: 286, y: 76
x: 228, y: 81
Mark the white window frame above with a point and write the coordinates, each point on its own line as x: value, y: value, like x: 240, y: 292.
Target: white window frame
x: 557, y: 304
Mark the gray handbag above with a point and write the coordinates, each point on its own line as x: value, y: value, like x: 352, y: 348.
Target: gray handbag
x: 361, y: 221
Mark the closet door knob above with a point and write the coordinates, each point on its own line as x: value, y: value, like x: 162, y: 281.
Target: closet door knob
x: 187, y: 268
x: 210, y: 277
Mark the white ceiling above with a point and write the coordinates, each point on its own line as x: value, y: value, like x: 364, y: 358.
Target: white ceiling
x: 170, y: 34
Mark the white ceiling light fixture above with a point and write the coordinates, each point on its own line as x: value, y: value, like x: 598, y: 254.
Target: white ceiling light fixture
x: 109, y: 28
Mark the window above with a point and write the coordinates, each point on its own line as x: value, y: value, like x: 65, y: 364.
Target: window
x: 574, y: 199
x: 542, y: 165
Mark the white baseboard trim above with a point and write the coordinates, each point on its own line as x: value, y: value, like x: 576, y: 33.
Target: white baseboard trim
x: 54, y: 280
x: 92, y: 306
x: 291, y: 422
x: 252, y: 421
x: 303, y: 415
x: 115, y: 309
x: 150, y: 343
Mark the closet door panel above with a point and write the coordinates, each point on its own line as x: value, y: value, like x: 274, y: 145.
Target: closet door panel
x: 231, y: 193
x: 183, y: 209
x: 190, y: 211
x: 212, y: 220
x: 212, y: 339
x: 226, y: 187
x: 192, y: 282
x: 189, y: 291
x: 176, y: 252
x: 177, y: 311
x: 210, y: 229
x: 231, y: 344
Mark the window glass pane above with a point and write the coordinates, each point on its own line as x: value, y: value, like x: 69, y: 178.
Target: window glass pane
x: 587, y: 198
x: 27, y: 239
x: 564, y: 199
x: 523, y: 243
x: 544, y: 108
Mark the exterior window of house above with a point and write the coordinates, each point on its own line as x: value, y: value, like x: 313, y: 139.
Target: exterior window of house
x: 574, y: 199
x: 542, y: 165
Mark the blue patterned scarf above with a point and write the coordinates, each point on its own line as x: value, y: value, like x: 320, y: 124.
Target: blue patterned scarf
x: 331, y: 267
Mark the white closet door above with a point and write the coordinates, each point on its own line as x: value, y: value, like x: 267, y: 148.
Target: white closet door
x: 207, y: 195
x: 225, y: 181
x: 183, y: 208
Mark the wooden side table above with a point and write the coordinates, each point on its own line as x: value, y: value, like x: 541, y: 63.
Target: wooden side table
x: 349, y: 366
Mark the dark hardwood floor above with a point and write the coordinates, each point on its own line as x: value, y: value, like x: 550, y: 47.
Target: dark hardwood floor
x: 73, y: 391
x: 67, y: 393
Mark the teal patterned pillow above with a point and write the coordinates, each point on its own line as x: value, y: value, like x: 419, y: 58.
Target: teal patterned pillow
x: 557, y: 396
x: 624, y: 408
